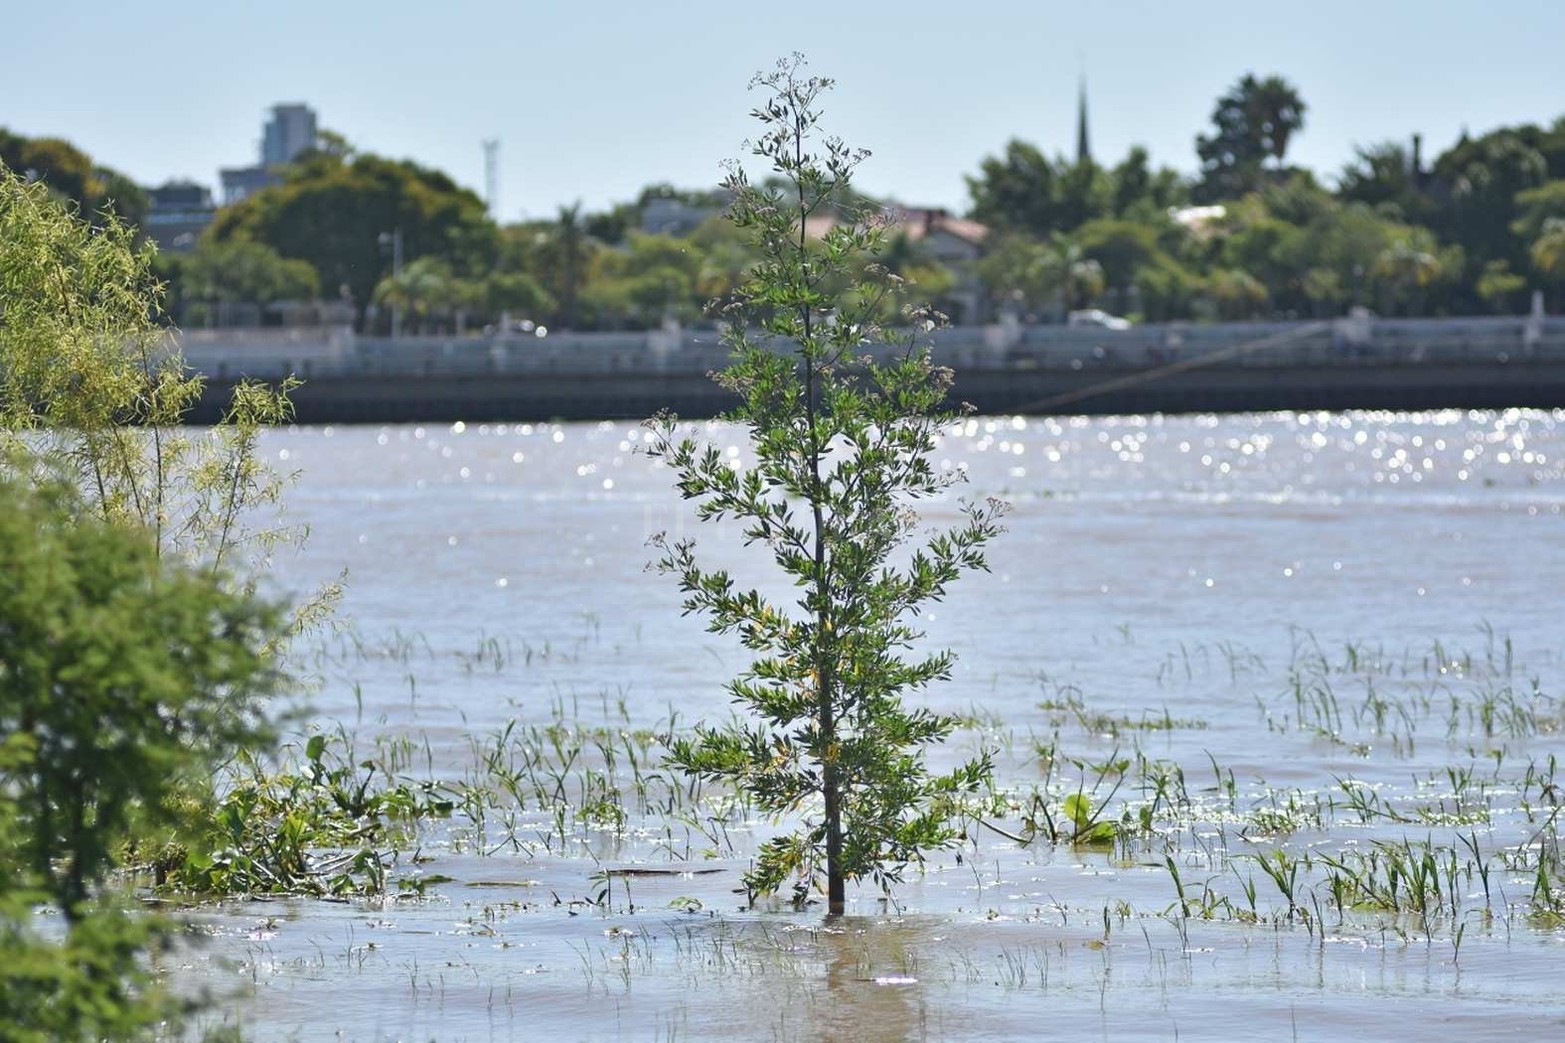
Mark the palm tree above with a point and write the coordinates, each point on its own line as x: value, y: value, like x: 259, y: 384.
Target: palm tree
x: 1081, y: 278
x: 1548, y: 255
x: 424, y: 288
x: 1274, y: 111
x: 1407, y: 267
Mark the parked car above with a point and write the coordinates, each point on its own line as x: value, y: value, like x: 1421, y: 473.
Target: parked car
x: 1096, y: 317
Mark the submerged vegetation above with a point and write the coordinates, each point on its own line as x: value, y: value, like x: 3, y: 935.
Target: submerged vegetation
x: 563, y: 841
x: 1470, y: 832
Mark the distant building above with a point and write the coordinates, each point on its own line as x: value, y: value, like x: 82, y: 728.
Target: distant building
x: 177, y: 214
x: 242, y: 182
x: 289, y: 132
x: 942, y: 236
x: 955, y: 242
x: 679, y: 215
x: 1201, y: 222
x: 291, y: 129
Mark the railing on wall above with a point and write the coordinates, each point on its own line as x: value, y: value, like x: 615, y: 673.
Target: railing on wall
x: 336, y: 353
x: 1357, y: 363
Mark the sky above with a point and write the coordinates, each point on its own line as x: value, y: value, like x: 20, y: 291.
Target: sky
x: 594, y: 99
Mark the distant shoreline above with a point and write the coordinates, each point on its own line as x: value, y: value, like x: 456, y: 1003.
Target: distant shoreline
x: 1484, y: 363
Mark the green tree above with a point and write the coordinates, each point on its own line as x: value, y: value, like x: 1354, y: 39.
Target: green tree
x: 1297, y: 198
x: 1500, y: 288
x: 517, y: 293
x: 333, y: 210
x: 1275, y: 113
x: 1315, y: 255
x: 430, y: 294
x: 1536, y: 207
x: 73, y: 177
x: 125, y: 672
x: 559, y: 256
x: 1481, y: 181
x: 1547, y: 254
x: 726, y: 256
x: 131, y: 658
x: 570, y: 252
x: 237, y: 271
x: 124, y: 677
x: 91, y: 400
x: 1081, y: 277
x: 1017, y: 191
x: 1122, y: 250
x: 1166, y: 291
x: 1254, y: 121
x: 1406, y: 269
x: 1023, y: 191
x: 612, y: 226
x: 1021, y: 271
x: 1237, y: 295
x: 652, y: 280
x: 1141, y: 194
x: 88, y: 385
x: 1271, y: 250
x: 843, y: 425
x: 1382, y: 176
x: 87, y: 986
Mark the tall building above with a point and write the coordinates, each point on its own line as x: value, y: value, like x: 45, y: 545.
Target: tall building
x: 290, y: 131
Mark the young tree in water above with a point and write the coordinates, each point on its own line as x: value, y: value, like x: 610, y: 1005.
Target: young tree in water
x: 842, y: 418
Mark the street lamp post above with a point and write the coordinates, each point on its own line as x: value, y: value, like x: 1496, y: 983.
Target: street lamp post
x: 394, y: 237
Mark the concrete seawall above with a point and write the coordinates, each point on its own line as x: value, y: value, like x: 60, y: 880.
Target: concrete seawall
x: 1347, y: 364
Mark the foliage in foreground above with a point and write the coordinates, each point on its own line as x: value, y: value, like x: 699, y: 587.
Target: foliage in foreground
x: 125, y: 678
x: 842, y: 423
x: 90, y: 985
x: 90, y: 389
x: 134, y: 657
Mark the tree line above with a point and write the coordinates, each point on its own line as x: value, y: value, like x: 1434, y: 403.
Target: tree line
x: 1475, y: 230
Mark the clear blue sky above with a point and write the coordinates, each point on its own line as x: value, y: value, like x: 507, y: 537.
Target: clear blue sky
x: 593, y: 99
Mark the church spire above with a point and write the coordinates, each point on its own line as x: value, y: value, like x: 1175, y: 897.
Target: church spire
x: 1083, y: 146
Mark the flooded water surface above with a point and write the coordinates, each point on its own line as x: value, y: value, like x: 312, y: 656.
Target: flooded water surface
x: 1273, y: 700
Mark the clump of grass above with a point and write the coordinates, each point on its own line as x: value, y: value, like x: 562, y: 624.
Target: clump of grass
x: 323, y: 824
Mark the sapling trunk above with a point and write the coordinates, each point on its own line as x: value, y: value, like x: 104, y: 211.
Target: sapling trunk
x: 836, y: 889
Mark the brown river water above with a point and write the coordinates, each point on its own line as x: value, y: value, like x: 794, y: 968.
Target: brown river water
x: 1281, y: 653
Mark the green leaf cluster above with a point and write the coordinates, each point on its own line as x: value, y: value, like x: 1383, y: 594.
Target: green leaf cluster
x: 73, y: 178
x: 317, y: 827
x: 216, y: 273
x: 126, y: 677
x: 91, y: 391
x: 122, y: 673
